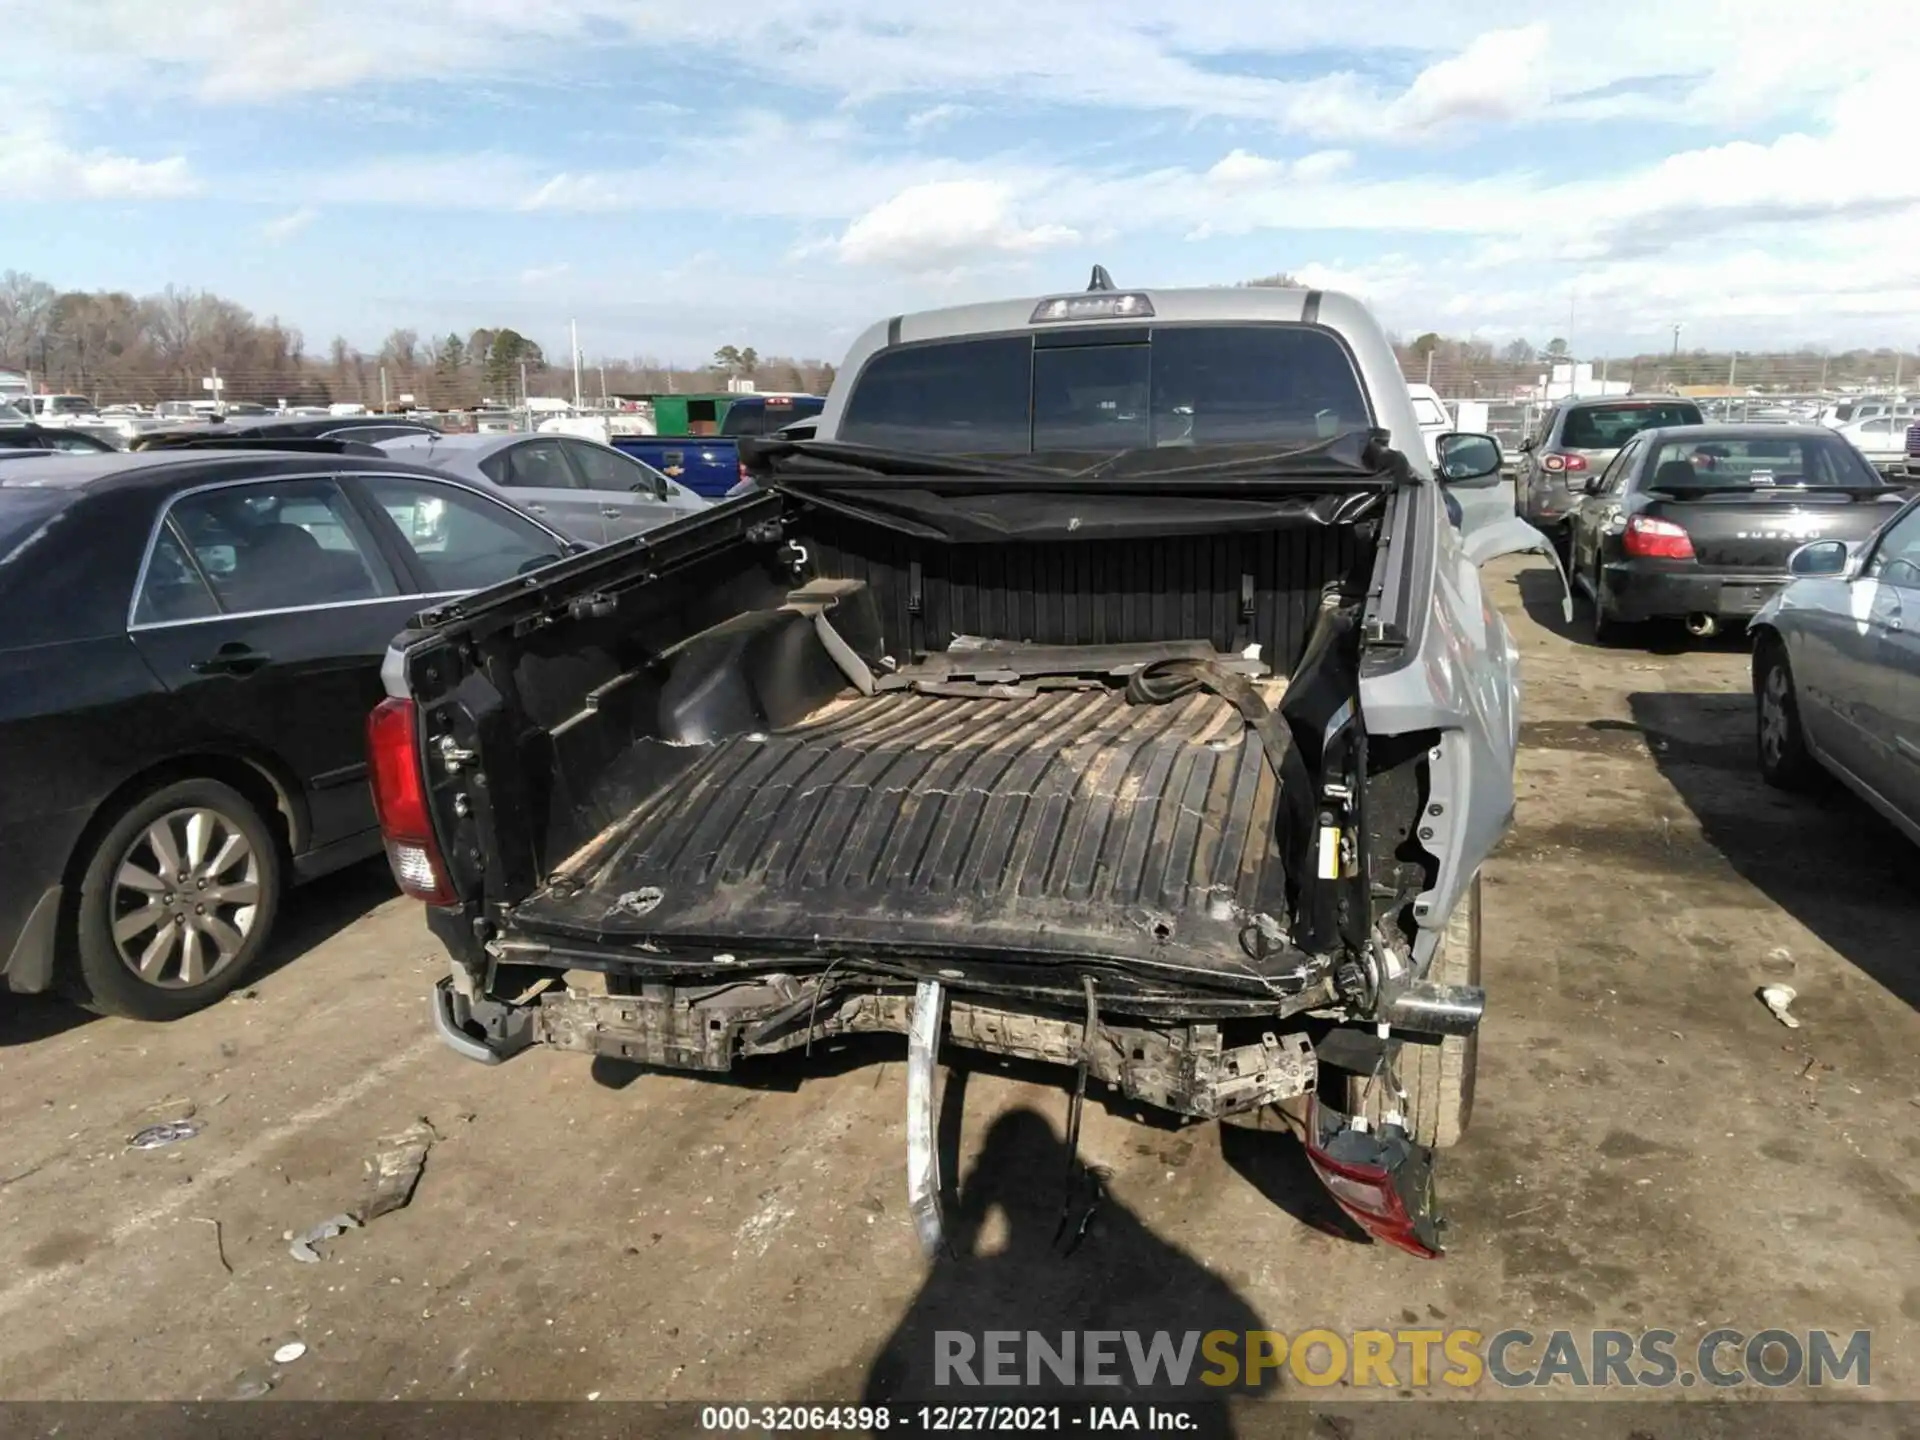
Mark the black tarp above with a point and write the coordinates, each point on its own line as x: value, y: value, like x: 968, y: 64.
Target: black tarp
x: 1168, y: 491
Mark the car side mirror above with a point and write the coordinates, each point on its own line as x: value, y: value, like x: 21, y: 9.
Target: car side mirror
x: 1820, y: 557
x: 1527, y: 443
x: 1594, y: 485
x: 1465, y: 458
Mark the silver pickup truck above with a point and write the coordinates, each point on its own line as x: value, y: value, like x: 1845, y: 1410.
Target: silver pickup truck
x: 1108, y: 681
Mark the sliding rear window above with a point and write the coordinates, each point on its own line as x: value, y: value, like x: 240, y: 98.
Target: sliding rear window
x: 1284, y: 385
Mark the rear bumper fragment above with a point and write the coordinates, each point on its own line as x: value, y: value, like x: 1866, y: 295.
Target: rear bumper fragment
x: 1184, y: 1068
x: 485, y: 1031
x: 1638, y: 594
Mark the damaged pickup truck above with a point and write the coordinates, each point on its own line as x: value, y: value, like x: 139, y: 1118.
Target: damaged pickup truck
x: 1107, y: 682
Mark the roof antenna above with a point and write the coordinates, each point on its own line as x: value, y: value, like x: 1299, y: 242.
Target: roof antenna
x: 1101, y: 280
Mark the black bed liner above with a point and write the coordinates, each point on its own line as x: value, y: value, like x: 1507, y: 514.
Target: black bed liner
x: 1068, y: 825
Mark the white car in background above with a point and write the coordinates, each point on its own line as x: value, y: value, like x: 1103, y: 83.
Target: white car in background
x: 56, y: 409
x: 1435, y: 420
x: 1882, y: 439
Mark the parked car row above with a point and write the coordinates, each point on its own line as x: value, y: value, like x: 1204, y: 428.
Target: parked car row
x: 191, y: 638
x: 1787, y: 530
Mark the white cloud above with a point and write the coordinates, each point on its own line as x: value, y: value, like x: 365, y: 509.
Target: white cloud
x: 1484, y: 60
x: 35, y: 165
x: 1789, y: 150
x: 540, y: 274
x: 1243, y: 170
x: 946, y: 225
x: 286, y: 226
x: 934, y: 117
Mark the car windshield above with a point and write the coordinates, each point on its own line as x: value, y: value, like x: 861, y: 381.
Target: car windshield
x: 1427, y: 411
x: 69, y: 405
x: 1608, y: 427
x: 1288, y: 385
x: 1755, y: 463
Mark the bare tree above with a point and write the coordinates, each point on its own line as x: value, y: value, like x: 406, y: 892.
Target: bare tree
x: 24, y: 306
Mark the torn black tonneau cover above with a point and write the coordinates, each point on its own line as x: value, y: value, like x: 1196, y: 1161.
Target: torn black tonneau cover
x: 928, y: 513
x: 1361, y: 455
x: 1170, y: 491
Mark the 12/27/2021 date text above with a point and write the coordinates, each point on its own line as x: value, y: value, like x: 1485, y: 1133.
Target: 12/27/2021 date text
x: 942, y: 1419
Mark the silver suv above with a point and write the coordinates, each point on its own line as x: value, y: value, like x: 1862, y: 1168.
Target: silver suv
x: 1575, y: 441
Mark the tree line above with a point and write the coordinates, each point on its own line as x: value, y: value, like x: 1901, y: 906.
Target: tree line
x: 1473, y: 366
x: 115, y: 346
x: 118, y: 347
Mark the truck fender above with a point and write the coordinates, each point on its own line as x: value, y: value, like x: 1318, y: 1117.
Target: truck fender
x: 1514, y: 536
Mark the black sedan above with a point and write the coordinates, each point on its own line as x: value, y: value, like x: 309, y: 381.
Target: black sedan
x: 367, y: 429
x: 190, y: 645
x: 1696, y: 522
x: 51, y: 437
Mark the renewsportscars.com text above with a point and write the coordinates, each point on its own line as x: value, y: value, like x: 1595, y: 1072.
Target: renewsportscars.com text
x: 1394, y: 1359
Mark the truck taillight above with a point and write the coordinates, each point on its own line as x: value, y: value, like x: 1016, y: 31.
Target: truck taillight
x: 1654, y: 539
x: 1562, y: 464
x: 1381, y: 1179
x: 400, y: 800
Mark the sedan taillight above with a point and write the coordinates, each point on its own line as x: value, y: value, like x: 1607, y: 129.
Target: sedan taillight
x: 1653, y: 539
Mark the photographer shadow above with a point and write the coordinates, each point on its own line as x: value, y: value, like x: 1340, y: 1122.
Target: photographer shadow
x: 1013, y: 1276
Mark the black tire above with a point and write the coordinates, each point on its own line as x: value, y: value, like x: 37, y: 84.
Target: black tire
x: 206, y: 914
x: 1438, y: 1078
x: 1779, y: 738
x: 1606, y: 628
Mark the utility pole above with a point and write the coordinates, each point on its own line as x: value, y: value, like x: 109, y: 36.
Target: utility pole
x: 603, y: 383
x: 1733, y: 368
x: 1676, y: 341
x: 524, y: 397
x: 573, y: 331
x: 1429, y: 369
x: 1823, y: 371
x: 383, y: 389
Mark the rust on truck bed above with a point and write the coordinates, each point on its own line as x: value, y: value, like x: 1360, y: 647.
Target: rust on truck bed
x: 1072, y: 823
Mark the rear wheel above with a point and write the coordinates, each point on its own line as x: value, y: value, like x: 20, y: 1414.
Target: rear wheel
x: 1438, y: 1078
x: 176, y: 903
x: 1785, y: 761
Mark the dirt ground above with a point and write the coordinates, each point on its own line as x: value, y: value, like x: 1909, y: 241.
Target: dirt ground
x: 1650, y: 1146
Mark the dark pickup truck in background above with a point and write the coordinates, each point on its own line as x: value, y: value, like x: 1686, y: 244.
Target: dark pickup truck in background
x: 709, y: 465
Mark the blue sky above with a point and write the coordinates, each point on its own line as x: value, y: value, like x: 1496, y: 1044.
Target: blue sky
x: 677, y: 178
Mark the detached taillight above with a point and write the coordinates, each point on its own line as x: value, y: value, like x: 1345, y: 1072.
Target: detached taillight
x: 1380, y: 1178
x: 400, y: 800
x: 1563, y: 464
x: 1653, y: 539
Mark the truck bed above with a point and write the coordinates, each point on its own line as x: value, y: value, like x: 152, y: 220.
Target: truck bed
x: 1072, y: 823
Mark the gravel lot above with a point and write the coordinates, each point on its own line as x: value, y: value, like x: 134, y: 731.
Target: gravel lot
x: 1650, y: 1146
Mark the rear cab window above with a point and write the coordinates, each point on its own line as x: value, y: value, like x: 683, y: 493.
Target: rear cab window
x: 763, y: 417
x: 1286, y: 385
